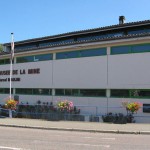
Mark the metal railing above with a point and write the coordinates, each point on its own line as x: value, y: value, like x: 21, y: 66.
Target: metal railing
x: 87, y: 113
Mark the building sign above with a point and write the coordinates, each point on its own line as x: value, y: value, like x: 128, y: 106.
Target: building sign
x: 18, y: 72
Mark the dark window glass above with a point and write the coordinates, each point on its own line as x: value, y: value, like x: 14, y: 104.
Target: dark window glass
x: 73, y: 54
x: 140, y: 93
x: 63, y: 55
x: 42, y: 91
x: 75, y: 92
x: 5, y: 91
x: 59, y: 92
x: 34, y: 58
x: 120, y: 50
x: 68, y: 92
x: 141, y: 48
x: 146, y: 108
x: 25, y: 47
x: 93, y: 52
x: 120, y: 93
x: 136, y: 31
x: 56, y: 42
x: 24, y: 91
x: 24, y: 59
x: 84, y: 38
x: 7, y: 61
x: 104, y: 35
x: 43, y: 57
x: 92, y: 92
x: 1, y: 91
x: 4, y: 61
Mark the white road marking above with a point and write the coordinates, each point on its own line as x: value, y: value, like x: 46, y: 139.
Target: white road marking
x: 80, y: 144
x: 10, y: 148
x: 88, y: 137
x: 108, y: 138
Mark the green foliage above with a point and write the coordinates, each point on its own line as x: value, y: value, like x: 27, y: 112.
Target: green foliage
x: 1, y: 48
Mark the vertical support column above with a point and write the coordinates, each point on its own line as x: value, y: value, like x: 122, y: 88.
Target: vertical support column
x: 108, y: 90
x: 15, y: 60
x: 53, y: 90
x: 108, y: 50
x: 14, y: 91
x: 108, y: 93
x: 54, y: 56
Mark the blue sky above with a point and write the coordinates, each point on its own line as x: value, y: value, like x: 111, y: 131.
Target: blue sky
x: 38, y: 18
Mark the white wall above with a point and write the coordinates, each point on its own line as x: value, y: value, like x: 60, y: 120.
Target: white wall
x: 89, y: 72
x: 129, y: 71
x: 42, y: 80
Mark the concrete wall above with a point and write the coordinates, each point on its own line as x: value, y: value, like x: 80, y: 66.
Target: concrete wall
x: 90, y: 72
x: 127, y: 71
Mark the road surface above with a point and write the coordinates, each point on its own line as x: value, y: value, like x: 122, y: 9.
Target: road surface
x: 36, y: 139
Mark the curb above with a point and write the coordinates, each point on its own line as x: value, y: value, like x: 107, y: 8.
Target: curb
x: 79, y: 130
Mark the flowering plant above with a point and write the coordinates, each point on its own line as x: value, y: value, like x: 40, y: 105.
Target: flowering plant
x: 132, y: 107
x: 65, y: 105
x: 11, y: 104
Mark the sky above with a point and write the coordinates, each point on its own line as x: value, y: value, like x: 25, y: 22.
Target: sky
x: 29, y: 19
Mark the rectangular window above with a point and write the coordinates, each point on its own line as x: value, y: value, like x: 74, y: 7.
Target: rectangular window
x: 4, y: 61
x: 93, y: 52
x: 141, y: 48
x: 42, y: 91
x: 34, y: 58
x: 24, y: 59
x: 120, y: 50
x: 137, y: 31
x: 43, y: 57
x: 59, y: 92
x: 82, y: 53
x: 146, y: 108
x: 93, y: 92
x: 24, y: 91
x: 140, y: 93
x: 65, y: 55
x: 120, y: 93
x: 75, y: 92
x: 71, y: 92
x: 34, y: 91
x: 5, y: 91
x: 25, y: 47
x: 68, y: 92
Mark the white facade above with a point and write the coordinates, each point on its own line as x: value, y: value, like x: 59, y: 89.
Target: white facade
x: 122, y: 71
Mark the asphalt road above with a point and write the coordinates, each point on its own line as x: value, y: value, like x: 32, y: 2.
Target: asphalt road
x: 36, y: 139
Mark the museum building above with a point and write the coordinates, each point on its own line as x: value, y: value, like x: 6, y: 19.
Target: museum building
x: 97, y: 69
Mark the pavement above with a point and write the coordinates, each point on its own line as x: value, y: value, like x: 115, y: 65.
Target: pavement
x: 99, y: 127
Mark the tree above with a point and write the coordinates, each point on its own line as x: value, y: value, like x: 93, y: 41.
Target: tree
x: 1, y: 48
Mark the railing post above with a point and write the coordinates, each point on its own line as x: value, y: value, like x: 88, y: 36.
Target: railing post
x: 10, y: 113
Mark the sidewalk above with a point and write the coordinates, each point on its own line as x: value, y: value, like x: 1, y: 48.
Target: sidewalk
x: 77, y: 126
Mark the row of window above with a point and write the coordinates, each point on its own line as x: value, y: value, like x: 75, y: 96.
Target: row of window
x: 93, y: 36
x: 81, y: 92
x: 134, y: 93
x: 4, y: 61
x: 130, y: 49
x: 82, y: 53
x: 34, y: 58
x: 116, y: 93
